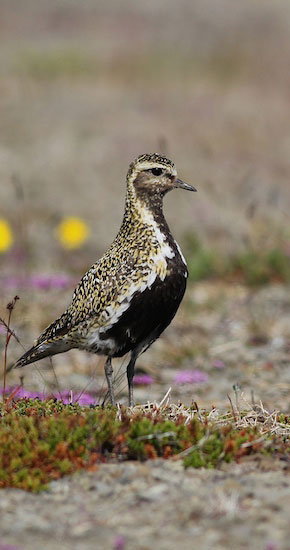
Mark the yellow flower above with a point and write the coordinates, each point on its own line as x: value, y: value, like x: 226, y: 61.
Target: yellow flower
x: 72, y: 232
x: 6, y: 237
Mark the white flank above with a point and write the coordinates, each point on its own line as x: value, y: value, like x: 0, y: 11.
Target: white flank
x: 93, y: 340
x: 181, y: 255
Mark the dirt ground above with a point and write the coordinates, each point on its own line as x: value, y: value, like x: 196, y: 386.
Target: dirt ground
x: 232, y: 336
x: 84, y: 88
x: 157, y: 504
x: 225, y: 335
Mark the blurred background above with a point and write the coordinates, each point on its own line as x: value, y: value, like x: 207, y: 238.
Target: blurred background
x: 87, y: 86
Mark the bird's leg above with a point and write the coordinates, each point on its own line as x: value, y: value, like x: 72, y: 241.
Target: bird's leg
x: 130, y: 376
x: 109, y: 376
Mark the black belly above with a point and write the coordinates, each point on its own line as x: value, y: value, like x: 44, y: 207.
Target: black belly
x: 149, y: 313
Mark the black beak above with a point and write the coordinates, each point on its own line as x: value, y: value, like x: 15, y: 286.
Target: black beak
x: 182, y: 185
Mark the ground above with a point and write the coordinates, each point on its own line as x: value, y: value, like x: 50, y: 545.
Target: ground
x: 236, y: 336
x: 85, y: 88
x: 157, y: 504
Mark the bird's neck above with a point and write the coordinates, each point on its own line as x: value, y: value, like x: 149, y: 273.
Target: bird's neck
x: 145, y: 208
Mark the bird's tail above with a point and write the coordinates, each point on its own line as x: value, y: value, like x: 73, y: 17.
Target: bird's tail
x: 39, y: 351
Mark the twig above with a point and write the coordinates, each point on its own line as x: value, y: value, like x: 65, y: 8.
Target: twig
x: 10, y: 306
x: 11, y: 332
x: 232, y: 407
x: 166, y: 396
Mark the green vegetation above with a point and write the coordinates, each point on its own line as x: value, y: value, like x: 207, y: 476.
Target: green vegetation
x: 44, y: 440
x: 62, y: 61
x: 57, y: 63
x: 253, y: 266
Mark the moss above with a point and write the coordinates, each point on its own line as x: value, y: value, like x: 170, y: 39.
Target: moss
x: 45, y: 440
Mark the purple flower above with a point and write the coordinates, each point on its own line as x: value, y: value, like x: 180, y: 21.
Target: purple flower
x: 22, y: 393
x: 2, y: 329
x: 218, y: 364
x: 83, y: 399
x: 9, y: 547
x: 119, y: 543
x: 143, y: 379
x: 40, y: 282
x: 271, y: 546
x: 45, y: 282
x: 195, y: 376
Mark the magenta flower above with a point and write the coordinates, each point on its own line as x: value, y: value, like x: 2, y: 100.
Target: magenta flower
x: 143, y: 379
x: 119, y: 543
x: 22, y: 393
x: 46, y: 282
x: 40, y: 282
x: 83, y: 399
x: 195, y: 376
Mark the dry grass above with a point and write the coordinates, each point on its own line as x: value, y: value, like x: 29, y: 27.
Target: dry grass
x: 251, y: 416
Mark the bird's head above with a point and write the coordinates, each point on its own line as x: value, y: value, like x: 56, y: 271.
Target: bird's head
x: 153, y: 174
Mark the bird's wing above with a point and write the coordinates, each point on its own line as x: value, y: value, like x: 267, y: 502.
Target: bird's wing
x: 103, y: 293
x: 100, y: 294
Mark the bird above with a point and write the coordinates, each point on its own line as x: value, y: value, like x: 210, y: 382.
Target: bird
x: 131, y: 294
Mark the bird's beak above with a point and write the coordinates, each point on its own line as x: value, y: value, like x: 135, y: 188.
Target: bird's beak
x: 182, y: 185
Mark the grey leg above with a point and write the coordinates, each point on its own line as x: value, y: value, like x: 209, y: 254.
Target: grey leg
x: 109, y: 376
x: 130, y: 376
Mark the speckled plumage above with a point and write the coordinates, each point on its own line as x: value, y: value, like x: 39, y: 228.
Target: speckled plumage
x: 129, y: 296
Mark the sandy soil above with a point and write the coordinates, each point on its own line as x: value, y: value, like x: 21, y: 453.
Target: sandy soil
x: 84, y: 88
x: 157, y: 504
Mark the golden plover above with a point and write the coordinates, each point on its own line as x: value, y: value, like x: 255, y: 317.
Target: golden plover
x: 128, y: 297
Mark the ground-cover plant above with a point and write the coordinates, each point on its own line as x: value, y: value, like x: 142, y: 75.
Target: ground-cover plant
x: 254, y: 266
x: 41, y: 441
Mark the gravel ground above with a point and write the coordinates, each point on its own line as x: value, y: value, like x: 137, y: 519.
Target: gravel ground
x: 228, y: 334
x: 157, y: 504
x: 222, y: 109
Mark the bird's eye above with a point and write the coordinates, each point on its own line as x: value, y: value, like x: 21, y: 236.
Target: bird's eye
x: 156, y: 171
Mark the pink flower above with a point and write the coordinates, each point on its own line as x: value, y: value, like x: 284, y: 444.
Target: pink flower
x: 83, y: 399
x: 22, y: 393
x: 195, y: 376
x: 143, y: 379
x: 45, y: 282
x: 40, y: 282
x: 119, y: 543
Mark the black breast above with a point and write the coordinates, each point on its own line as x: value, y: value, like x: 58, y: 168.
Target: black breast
x: 149, y: 313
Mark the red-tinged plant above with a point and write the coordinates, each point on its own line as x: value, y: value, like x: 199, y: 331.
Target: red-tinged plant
x: 9, y: 333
